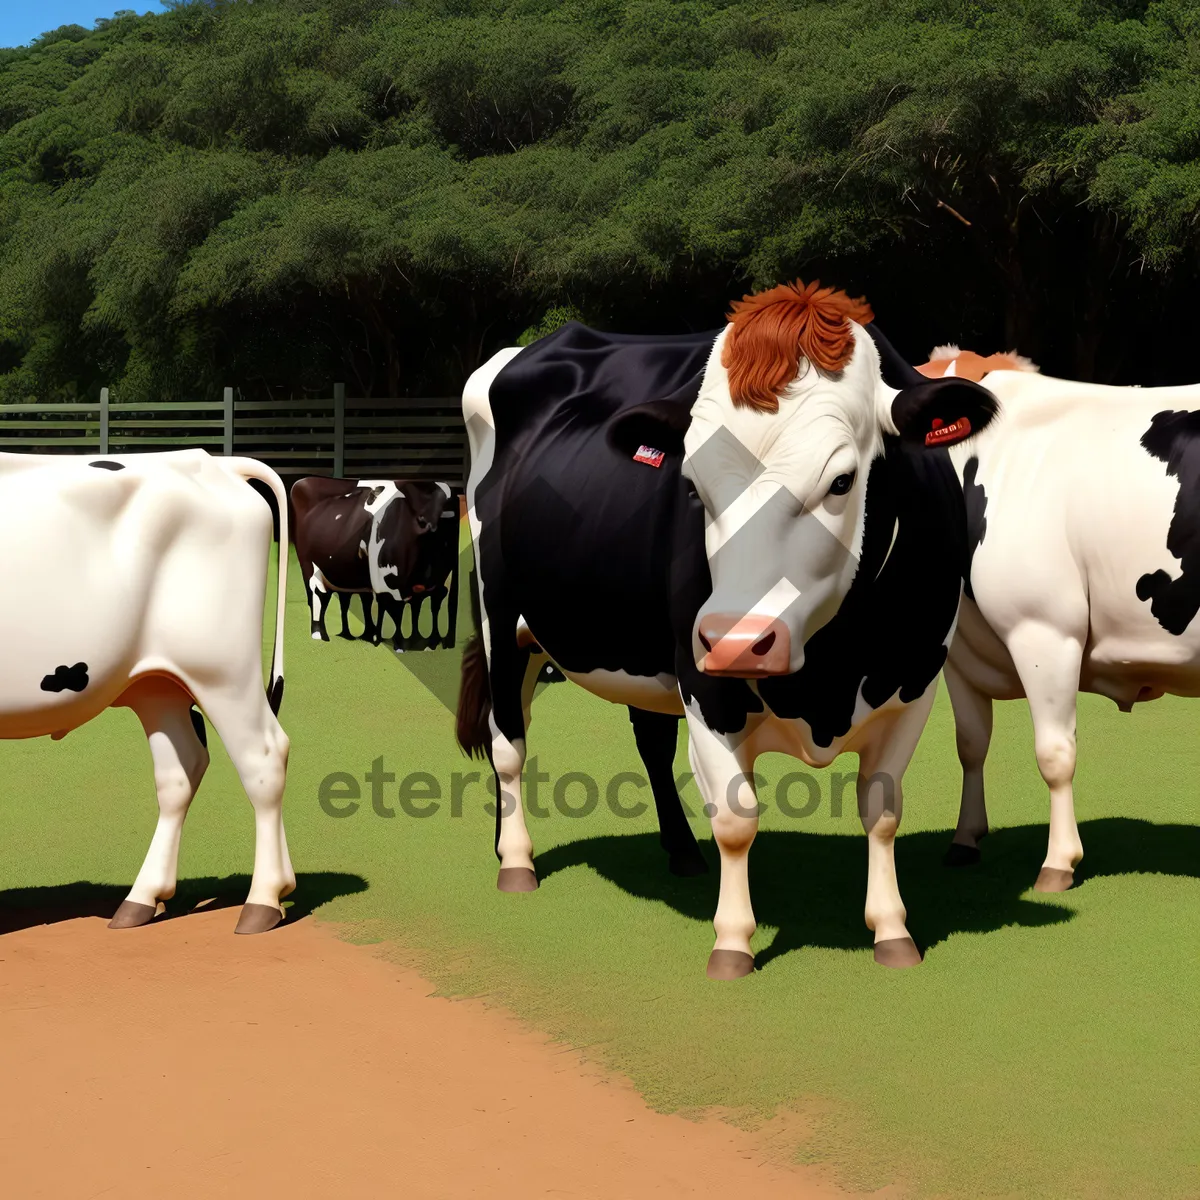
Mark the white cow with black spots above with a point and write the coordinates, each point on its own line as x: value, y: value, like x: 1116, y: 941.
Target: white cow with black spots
x: 1083, y: 503
x: 139, y: 582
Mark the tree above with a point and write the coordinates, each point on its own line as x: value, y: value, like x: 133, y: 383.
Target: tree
x: 284, y: 192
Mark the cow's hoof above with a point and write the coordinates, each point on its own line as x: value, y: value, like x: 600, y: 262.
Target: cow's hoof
x: 688, y: 864
x: 1053, y: 879
x: 958, y: 855
x: 729, y: 964
x: 516, y: 879
x: 258, y: 918
x: 897, y: 952
x: 131, y: 914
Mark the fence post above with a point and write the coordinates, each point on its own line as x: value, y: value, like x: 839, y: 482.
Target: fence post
x: 103, y: 421
x: 228, y: 447
x: 339, y: 429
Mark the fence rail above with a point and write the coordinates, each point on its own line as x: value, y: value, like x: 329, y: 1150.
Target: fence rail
x: 391, y: 438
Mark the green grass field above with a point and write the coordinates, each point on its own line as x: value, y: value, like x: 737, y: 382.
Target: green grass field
x: 1046, y: 1047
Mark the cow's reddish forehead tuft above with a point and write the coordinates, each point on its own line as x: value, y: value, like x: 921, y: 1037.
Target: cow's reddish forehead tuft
x: 771, y: 331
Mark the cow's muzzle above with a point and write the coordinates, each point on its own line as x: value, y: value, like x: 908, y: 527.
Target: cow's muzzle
x: 745, y: 647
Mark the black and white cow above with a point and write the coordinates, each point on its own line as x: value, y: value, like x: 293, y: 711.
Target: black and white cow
x: 749, y: 527
x: 1084, y: 523
x: 395, y: 541
x: 138, y: 582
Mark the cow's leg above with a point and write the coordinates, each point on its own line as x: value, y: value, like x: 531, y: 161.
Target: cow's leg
x: 383, y: 607
x: 415, y: 604
x: 258, y: 747
x: 732, y: 807
x: 973, y: 734
x: 397, y: 609
x: 657, y: 735
x: 882, y: 762
x: 344, y: 599
x: 306, y: 571
x: 1048, y: 663
x: 318, y: 592
x: 180, y: 760
x: 323, y: 600
x: 371, y: 631
x: 513, y: 677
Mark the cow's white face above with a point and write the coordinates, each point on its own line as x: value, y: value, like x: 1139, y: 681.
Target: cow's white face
x: 784, y: 493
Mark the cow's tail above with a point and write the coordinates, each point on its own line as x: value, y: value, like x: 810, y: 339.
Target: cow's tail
x: 474, y: 701
x: 474, y: 693
x: 250, y: 468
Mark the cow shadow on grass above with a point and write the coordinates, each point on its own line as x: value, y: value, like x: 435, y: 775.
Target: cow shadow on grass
x: 812, y: 887
x: 23, y: 908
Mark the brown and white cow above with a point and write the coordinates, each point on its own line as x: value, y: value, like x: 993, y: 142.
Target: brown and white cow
x: 391, y: 540
x: 1083, y: 508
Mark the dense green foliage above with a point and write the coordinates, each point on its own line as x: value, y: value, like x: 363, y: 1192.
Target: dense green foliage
x: 280, y: 192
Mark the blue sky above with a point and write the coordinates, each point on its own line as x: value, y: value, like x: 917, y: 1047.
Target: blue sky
x: 23, y: 20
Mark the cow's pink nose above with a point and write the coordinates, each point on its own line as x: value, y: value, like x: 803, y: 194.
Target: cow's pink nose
x: 746, y: 646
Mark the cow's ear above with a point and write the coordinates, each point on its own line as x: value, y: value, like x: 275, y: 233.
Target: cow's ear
x: 931, y: 412
x: 657, y: 424
x: 940, y: 412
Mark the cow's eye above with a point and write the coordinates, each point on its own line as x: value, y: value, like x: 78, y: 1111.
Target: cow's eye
x: 842, y: 484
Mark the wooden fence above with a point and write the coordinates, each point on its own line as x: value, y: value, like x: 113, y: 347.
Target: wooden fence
x: 403, y: 438
x: 395, y: 438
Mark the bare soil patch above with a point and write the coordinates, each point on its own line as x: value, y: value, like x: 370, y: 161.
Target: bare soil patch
x: 181, y: 1060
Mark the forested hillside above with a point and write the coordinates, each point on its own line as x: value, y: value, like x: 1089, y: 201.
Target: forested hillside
x: 278, y: 193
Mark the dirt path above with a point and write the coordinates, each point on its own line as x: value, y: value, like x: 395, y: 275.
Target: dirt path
x: 181, y: 1060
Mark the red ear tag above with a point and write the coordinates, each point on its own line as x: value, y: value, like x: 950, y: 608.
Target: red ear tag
x: 944, y: 435
x: 649, y: 456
